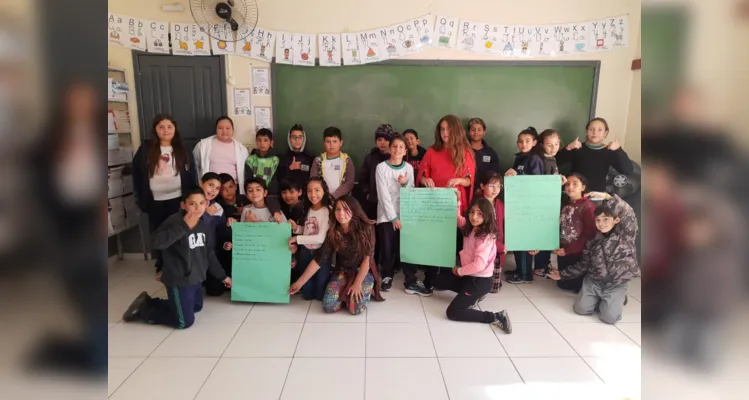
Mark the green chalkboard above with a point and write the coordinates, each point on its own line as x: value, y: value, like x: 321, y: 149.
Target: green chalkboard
x: 509, y: 96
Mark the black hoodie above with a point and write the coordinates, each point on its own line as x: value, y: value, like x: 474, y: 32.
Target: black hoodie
x: 367, y: 181
x: 415, y: 161
x: 486, y: 160
x: 299, y: 175
x: 187, y: 253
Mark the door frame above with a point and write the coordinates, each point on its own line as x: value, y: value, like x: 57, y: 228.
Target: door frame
x: 138, y: 92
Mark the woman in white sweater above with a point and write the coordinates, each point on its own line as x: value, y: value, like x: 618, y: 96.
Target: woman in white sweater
x: 221, y: 153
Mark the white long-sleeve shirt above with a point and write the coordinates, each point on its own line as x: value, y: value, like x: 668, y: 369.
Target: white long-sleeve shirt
x: 389, y: 189
x: 315, y: 228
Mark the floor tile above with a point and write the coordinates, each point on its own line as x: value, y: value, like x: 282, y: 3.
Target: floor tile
x: 261, y: 339
x: 397, y: 309
x: 561, y: 370
x: 543, y: 288
x: 310, y: 379
x: 399, y: 340
x: 200, y: 340
x: 166, y: 379
x: 332, y: 340
x: 136, y: 339
x: 243, y: 378
x: 632, y: 312
x: 633, y: 330
x: 118, y: 369
x: 560, y: 310
x: 465, y: 339
x: 520, y: 309
x: 223, y: 310
x: 597, y: 340
x: 634, y: 288
x: 507, y: 290
x: 110, y: 325
x: 558, y: 379
x: 478, y: 378
x: 534, y: 340
x: 316, y: 314
x: 295, y: 311
x: 622, y: 375
x: 404, y: 379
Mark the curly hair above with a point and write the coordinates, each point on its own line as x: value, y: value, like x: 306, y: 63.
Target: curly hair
x: 361, y: 227
x: 457, y: 142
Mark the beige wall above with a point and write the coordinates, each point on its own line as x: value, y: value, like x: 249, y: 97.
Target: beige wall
x: 634, y: 115
x: 321, y: 16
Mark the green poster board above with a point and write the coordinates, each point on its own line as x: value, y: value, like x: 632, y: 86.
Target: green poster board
x: 261, y: 262
x: 429, y: 218
x: 532, y: 206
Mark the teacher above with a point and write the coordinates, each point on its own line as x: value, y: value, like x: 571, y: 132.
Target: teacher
x: 221, y: 153
x: 450, y: 161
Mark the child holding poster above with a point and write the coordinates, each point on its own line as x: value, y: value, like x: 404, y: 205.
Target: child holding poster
x: 391, y: 176
x: 473, y: 279
x: 258, y: 211
x: 527, y: 162
x: 317, y: 205
x: 351, y: 240
x: 491, y: 185
x: 577, y: 226
x: 609, y: 261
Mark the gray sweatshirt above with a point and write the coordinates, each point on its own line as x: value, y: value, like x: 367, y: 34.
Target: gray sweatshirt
x: 187, y: 252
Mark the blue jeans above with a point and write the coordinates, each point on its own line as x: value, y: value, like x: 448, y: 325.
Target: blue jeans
x: 314, y: 289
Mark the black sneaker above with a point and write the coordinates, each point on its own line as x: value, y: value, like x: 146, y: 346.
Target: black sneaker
x: 133, y: 312
x: 386, y: 285
x: 516, y: 279
x: 502, y: 320
x: 541, y: 273
x: 419, y: 289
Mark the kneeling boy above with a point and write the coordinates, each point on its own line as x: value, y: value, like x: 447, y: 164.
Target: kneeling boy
x: 609, y: 259
x: 183, y: 238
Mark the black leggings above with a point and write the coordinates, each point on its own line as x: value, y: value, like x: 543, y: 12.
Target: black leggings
x: 469, y: 290
x: 388, y: 239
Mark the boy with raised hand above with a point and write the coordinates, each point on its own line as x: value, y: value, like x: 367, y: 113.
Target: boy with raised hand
x: 187, y: 258
x: 295, y: 165
x: 609, y: 260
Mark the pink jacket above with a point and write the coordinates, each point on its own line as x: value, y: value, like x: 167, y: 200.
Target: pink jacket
x: 477, y: 256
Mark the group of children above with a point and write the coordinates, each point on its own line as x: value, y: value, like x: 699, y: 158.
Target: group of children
x: 596, y: 256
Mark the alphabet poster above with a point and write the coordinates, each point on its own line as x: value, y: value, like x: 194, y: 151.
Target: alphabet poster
x: 181, y: 39
x: 351, y: 54
x: 579, y: 38
x: 200, y: 40
x: 305, y: 49
x: 157, y: 36
x: 115, y: 28
x: 467, y: 33
x: 372, y: 47
x: 245, y: 41
x: 265, y: 41
x: 222, y: 39
x: 284, y: 48
x: 136, y: 34
x: 445, y: 34
x: 330, y: 50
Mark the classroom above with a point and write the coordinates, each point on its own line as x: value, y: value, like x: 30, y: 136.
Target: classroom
x: 283, y: 199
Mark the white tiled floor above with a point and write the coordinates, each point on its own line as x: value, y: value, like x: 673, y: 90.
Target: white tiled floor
x: 402, y: 348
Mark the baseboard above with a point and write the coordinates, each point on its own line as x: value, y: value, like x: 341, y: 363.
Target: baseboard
x: 129, y: 257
